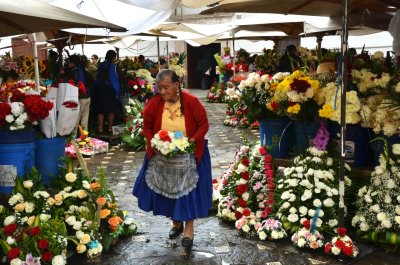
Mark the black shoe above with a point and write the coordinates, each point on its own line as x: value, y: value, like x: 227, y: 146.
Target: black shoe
x: 187, y: 242
x: 175, y: 231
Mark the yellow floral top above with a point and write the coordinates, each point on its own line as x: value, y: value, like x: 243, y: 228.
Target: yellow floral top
x: 172, y: 118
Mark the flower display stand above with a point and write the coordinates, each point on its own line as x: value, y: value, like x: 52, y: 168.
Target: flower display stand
x: 17, y: 156
x: 49, y: 154
x: 277, y: 134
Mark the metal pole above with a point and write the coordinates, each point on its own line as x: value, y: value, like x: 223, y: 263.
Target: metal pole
x: 158, y: 52
x: 344, y: 85
x: 234, y: 54
x: 36, y: 61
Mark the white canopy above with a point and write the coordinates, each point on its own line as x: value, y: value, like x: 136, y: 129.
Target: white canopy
x: 28, y: 16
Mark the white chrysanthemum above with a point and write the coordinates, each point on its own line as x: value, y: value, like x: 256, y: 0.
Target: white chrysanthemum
x: 381, y: 216
x: 306, y: 195
x: 293, y: 218
x: 328, y: 202
x: 332, y: 223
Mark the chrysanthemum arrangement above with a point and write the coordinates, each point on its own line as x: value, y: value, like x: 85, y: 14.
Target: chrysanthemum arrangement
x: 311, y: 183
x: 171, y: 144
x: 293, y: 95
x: 378, y: 204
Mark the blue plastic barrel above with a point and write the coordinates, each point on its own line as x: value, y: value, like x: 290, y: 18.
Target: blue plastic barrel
x: 305, y: 133
x: 356, y: 146
x: 17, y: 156
x: 49, y: 155
x: 275, y: 133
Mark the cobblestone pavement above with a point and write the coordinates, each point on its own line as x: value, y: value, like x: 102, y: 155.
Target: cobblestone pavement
x: 215, y: 242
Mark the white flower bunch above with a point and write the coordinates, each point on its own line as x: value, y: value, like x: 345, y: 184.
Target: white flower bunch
x: 18, y: 116
x: 378, y: 204
x: 169, y: 143
x: 310, y: 183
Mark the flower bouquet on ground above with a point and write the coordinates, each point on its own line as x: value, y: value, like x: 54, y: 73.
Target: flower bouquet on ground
x: 308, y: 236
x: 341, y: 245
x: 216, y: 93
x: 271, y: 229
x: 310, y: 186
x: 132, y: 134
x: 170, y: 144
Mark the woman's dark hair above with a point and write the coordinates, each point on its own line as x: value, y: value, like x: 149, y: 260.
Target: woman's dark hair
x: 110, y: 55
x: 174, y: 78
x: 74, y: 59
x: 291, y: 49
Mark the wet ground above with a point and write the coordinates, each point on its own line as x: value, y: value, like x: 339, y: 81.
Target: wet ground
x: 215, y: 242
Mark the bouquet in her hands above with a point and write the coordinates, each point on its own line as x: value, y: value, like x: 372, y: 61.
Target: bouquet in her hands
x: 170, y: 144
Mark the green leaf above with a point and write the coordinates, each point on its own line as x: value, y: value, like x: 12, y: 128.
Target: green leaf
x: 4, y: 246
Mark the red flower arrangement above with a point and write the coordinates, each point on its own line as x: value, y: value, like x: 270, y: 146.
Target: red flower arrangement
x: 341, y: 245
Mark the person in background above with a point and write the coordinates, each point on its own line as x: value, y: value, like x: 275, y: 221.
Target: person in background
x: 290, y: 61
x: 55, y: 70
x: 327, y: 65
x: 203, y: 72
x: 94, y: 59
x: 141, y: 61
x: 252, y: 63
x: 77, y: 73
x: 175, y: 110
x: 106, y: 92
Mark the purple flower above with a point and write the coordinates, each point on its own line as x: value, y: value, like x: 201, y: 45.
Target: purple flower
x: 321, y: 138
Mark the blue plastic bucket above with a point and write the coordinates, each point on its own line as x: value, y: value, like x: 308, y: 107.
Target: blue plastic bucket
x: 356, y: 145
x: 305, y: 133
x: 16, y: 160
x: 275, y: 133
x: 49, y: 154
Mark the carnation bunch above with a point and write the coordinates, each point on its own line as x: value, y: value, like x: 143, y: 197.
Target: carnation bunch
x: 308, y: 237
x: 341, y: 245
x: 246, y: 191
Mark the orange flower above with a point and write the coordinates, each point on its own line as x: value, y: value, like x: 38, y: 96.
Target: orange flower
x: 114, y: 222
x: 104, y: 213
x: 95, y: 186
x: 101, y: 201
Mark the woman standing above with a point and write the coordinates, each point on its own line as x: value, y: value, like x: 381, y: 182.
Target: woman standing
x: 106, y: 92
x: 175, y: 110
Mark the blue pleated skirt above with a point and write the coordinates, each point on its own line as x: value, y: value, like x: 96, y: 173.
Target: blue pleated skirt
x: 192, y: 206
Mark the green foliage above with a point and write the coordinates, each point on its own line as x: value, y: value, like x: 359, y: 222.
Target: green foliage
x: 268, y: 61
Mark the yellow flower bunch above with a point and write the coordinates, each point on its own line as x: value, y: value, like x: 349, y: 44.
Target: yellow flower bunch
x: 326, y: 111
x: 294, y: 109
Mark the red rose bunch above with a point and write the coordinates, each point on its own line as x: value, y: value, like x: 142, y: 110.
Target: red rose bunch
x: 36, y: 107
x: 5, y: 109
x: 341, y: 245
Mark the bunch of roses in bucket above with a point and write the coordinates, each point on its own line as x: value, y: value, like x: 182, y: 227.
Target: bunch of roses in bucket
x: 310, y: 186
x: 140, y: 84
x: 246, y: 194
x: 21, y: 110
x: 79, y: 210
x: 171, y: 144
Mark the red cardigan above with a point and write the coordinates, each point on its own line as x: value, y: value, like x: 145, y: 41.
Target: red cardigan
x: 196, y: 121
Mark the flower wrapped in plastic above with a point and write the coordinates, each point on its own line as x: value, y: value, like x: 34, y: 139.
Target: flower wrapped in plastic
x: 271, y: 229
x: 170, y: 144
x: 308, y: 236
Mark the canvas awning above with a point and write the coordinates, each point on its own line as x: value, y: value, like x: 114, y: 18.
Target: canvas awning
x: 29, y: 16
